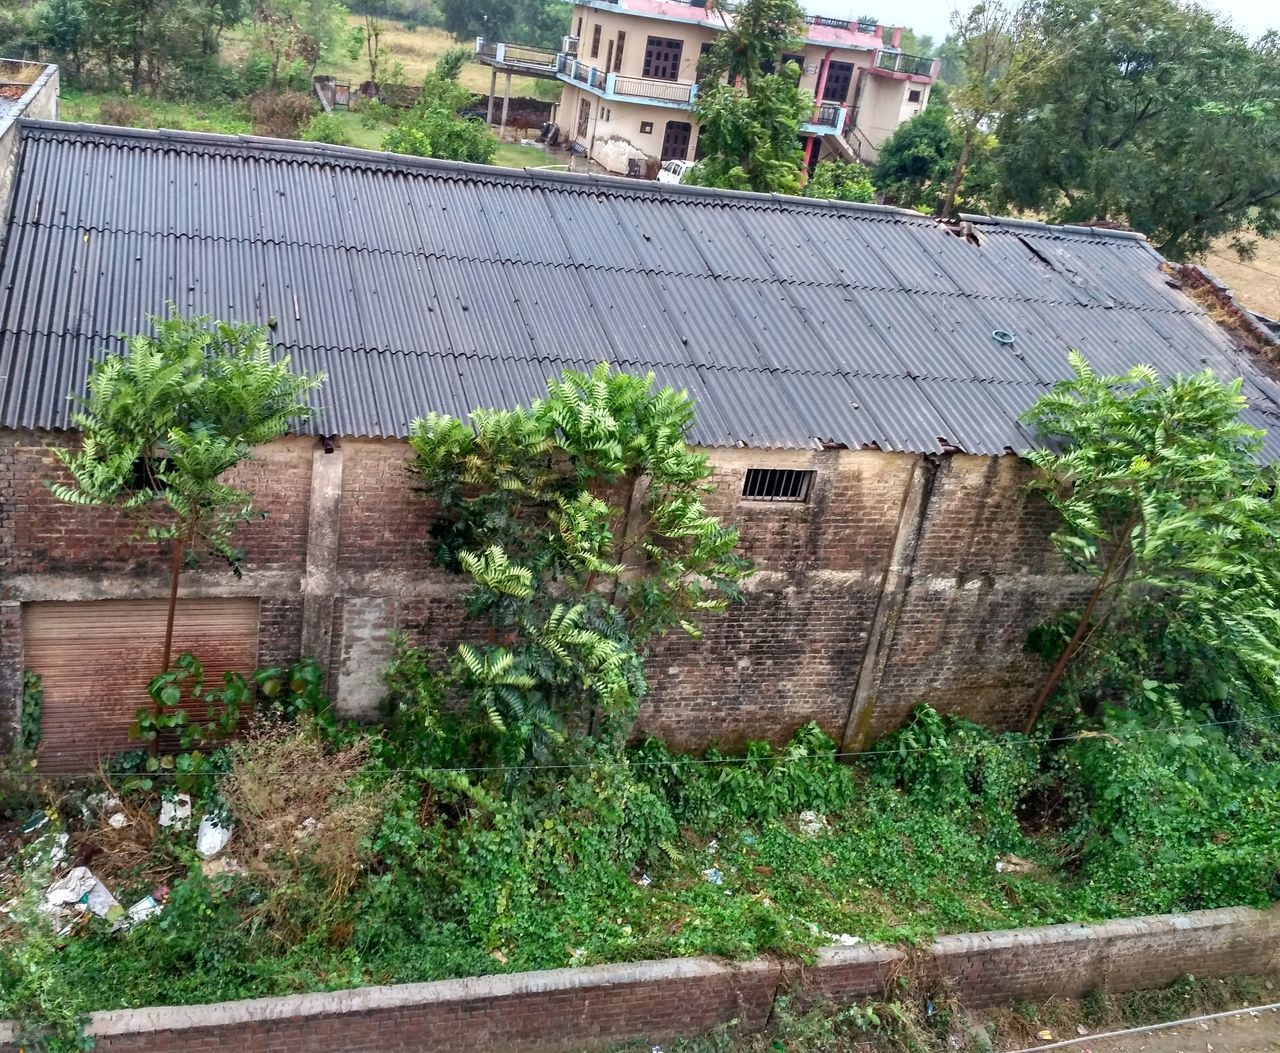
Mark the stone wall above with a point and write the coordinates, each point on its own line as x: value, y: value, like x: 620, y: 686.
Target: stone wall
x: 601, y: 1006
x: 900, y: 579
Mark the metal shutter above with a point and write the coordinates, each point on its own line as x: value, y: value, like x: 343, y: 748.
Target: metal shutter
x: 95, y: 659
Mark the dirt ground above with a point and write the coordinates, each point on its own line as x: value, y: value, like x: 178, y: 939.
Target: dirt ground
x: 1255, y: 282
x: 1249, y: 1033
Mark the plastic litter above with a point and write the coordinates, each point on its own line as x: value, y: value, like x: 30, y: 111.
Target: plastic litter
x: 212, y: 837
x: 58, y: 853
x: 145, y: 908
x: 713, y: 875
x: 812, y: 824
x: 176, y: 811
x: 34, y: 823
x: 79, y: 888
x: 118, y: 821
x: 644, y: 881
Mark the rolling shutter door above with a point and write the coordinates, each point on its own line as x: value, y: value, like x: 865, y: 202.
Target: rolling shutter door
x: 96, y: 658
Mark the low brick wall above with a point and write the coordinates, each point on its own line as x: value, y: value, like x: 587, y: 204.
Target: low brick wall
x: 593, y: 1008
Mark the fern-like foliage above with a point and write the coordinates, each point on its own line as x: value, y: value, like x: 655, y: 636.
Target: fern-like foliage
x: 162, y: 424
x: 580, y: 522
x: 1164, y: 502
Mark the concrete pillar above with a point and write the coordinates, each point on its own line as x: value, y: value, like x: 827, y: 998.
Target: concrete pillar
x: 493, y: 90
x: 506, y: 99
x: 320, y: 580
x: 893, y: 591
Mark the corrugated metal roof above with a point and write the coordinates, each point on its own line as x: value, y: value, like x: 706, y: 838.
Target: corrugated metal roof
x: 424, y: 285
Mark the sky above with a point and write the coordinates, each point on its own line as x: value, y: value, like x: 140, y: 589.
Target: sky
x: 1253, y: 17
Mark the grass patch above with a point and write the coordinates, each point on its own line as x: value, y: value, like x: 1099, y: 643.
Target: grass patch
x: 513, y: 155
x: 139, y: 111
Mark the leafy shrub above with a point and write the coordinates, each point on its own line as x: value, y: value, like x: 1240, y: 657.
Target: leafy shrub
x: 838, y: 181
x: 326, y: 128
x: 717, y: 790
x: 951, y: 765
x: 124, y: 113
x: 281, y: 115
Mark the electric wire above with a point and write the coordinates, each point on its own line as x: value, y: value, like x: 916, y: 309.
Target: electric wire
x: 775, y: 760
x: 1098, y: 1036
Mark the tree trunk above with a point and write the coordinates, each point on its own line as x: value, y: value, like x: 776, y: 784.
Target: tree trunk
x: 175, y: 573
x: 958, y: 173
x: 1082, y: 630
x: 135, y: 79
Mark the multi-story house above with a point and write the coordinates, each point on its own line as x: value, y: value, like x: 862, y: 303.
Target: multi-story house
x: 630, y: 73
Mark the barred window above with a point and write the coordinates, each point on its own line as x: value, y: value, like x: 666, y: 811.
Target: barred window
x: 777, y: 484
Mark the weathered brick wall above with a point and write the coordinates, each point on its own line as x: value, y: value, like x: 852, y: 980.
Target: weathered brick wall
x: 984, y: 572
x: 50, y: 550
x: 792, y: 651
x: 972, y: 571
x: 602, y: 1006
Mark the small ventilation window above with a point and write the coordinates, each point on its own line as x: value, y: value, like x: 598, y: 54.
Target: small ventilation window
x: 777, y: 484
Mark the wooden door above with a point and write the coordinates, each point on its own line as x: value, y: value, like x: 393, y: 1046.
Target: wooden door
x: 675, y: 141
x: 839, y: 78
x: 95, y: 659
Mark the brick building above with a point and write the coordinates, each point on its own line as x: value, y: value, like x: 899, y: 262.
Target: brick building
x: 880, y: 358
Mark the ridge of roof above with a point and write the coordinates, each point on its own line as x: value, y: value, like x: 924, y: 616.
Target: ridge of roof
x: 326, y: 154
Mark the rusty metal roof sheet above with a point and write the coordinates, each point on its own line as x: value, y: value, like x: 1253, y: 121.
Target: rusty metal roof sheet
x: 425, y: 285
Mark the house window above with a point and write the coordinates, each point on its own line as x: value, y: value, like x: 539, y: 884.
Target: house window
x: 617, y: 54
x: 777, y: 484
x: 608, y: 58
x: 595, y: 40
x: 646, y: 127
x: 578, y: 34
x: 914, y: 95
x: 662, y: 58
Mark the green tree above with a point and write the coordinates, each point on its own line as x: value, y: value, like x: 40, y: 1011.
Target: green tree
x: 750, y: 119
x: 580, y: 524
x: 757, y: 32
x: 162, y: 423
x: 434, y: 128
x: 540, y: 22
x: 301, y: 31
x: 62, y: 29
x: 835, y: 180
x: 916, y: 160
x: 1151, y: 113
x: 1164, y: 504
x: 989, y: 40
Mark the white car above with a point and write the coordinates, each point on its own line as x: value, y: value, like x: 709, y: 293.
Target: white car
x: 673, y: 171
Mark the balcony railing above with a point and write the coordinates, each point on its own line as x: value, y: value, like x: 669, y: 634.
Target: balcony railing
x: 647, y: 88
x: 828, y: 119
x: 495, y: 53
x: 857, y: 26
x: 901, y: 62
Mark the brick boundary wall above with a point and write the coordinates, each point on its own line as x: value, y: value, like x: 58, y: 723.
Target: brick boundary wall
x: 597, y: 1007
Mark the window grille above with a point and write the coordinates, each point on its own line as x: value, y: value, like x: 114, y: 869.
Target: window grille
x: 777, y: 484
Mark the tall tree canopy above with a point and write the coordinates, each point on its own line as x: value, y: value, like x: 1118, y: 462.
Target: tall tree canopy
x: 1147, y: 112
x: 521, y: 21
x: 749, y: 112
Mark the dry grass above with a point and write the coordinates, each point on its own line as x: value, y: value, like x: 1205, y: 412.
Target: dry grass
x: 126, y: 858
x: 417, y: 50
x: 1256, y: 282
x: 302, y: 823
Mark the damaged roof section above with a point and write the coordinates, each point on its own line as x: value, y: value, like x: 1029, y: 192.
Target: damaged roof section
x: 425, y: 285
